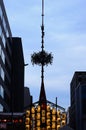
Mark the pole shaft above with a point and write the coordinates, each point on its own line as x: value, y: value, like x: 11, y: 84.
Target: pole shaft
x: 42, y: 29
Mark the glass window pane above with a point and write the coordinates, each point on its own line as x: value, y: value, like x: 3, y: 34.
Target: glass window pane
x: 2, y: 73
x: 0, y: 49
x: 4, y: 24
x: 3, y: 40
x: 3, y: 57
x: 1, y: 108
x: 0, y: 30
x: 0, y: 12
x: 7, y: 33
x: 1, y: 91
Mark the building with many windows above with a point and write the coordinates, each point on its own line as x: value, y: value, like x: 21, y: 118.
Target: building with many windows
x: 11, y: 67
x: 77, y: 112
x: 5, y: 60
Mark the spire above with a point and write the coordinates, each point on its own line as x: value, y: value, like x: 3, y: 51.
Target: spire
x: 42, y: 97
x: 42, y: 58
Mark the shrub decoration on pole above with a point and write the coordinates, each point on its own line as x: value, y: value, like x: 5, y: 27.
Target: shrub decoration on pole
x: 41, y: 58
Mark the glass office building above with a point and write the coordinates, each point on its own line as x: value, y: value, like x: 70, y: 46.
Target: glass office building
x: 11, y: 67
x: 5, y: 59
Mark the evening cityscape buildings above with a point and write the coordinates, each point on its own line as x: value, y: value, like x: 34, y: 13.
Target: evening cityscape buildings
x: 5, y: 60
x: 12, y: 79
x: 78, y: 101
x: 11, y: 67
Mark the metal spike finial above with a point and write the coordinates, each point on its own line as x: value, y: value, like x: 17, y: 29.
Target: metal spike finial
x: 42, y: 26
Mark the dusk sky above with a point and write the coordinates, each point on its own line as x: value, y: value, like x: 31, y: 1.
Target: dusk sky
x: 65, y: 37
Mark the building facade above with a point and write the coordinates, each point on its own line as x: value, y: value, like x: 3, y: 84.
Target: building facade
x: 11, y: 67
x: 5, y: 60
x: 78, y: 101
x: 17, y: 75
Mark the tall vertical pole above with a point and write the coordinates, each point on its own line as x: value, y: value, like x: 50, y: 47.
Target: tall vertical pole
x: 42, y: 29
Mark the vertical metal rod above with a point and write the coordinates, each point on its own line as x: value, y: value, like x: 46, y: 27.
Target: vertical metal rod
x: 56, y: 103
x: 42, y: 12
x: 42, y: 29
x: 56, y: 110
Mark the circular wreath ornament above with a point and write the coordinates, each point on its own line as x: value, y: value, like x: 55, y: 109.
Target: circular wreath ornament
x: 41, y: 58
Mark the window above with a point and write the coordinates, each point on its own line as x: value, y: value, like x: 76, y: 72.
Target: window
x: 3, y: 39
x: 0, y: 49
x: 1, y: 91
x: 0, y: 30
x: 4, y: 23
x: 0, y: 12
x: 1, y: 108
x: 7, y: 33
x: 2, y: 73
x: 3, y: 57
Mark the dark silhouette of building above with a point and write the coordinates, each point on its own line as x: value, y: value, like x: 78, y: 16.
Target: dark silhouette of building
x: 78, y: 101
x: 27, y: 98
x: 11, y: 67
x: 17, y: 75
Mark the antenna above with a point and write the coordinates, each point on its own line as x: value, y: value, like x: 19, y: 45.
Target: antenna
x: 42, y: 26
x: 42, y: 58
x: 42, y: 29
